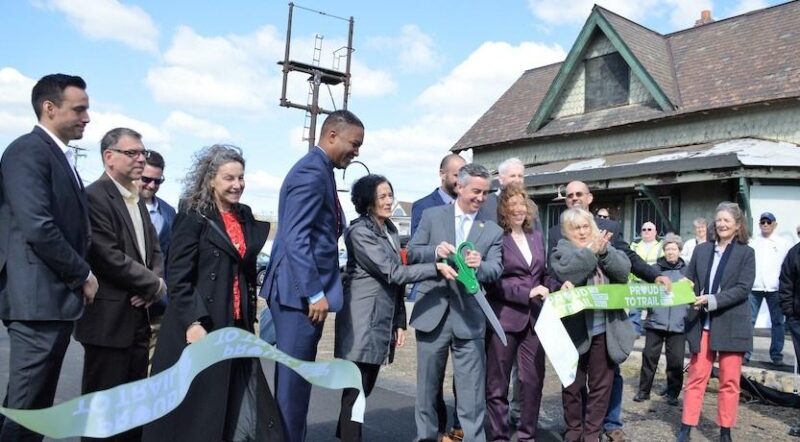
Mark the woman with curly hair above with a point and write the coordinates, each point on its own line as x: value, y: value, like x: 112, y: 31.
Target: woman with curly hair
x: 211, y: 281
x: 517, y: 300
x: 372, y: 321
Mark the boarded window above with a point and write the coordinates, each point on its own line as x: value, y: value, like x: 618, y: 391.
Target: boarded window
x: 607, y: 82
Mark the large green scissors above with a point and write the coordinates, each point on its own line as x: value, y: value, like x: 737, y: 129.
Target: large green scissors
x: 469, y: 279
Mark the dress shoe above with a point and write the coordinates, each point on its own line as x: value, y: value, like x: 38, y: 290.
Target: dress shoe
x: 683, y: 433
x: 456, y: 434
x: 672, y: 400
x: 641, y: 397
x: 794, y: 431
x: 664, y: 391
x: 725, y: 435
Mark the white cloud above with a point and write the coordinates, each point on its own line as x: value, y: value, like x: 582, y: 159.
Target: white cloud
x: 415, y: 49
x: 109, y: 20
x: 178, y: 121
x: 233, y: 72
x: 472, y: 86
x: 262, y: 181
x: 16, y: 113
x: 681, y: 13
x: 684, y: 13
x: 748, y: 5
x: 102, y: 122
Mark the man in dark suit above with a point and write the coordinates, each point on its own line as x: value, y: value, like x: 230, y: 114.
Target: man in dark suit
x: 302, y: 282
x: 444, y: 194
x: 44, y: 239
x: 445, y: 316
x: 510, y: 171
x: 578, y: 195
x: 126, y: 257
x: 161, y: 215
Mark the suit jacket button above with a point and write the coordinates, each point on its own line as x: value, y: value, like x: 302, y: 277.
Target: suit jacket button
x: 209, y: 299
x: 213, y: 276
x: 270, y: 424
x: 215, y: 252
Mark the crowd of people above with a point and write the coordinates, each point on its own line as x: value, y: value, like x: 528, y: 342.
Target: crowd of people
x: 136, y: 282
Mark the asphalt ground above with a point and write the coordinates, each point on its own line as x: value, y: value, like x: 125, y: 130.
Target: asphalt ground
x: 390, y: 408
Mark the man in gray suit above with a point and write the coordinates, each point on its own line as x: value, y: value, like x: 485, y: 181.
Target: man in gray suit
x: 445, y: 315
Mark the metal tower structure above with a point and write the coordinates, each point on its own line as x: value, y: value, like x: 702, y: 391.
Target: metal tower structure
x: 317, y: 75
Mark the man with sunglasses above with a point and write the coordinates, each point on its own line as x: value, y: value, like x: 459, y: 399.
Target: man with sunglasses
x: 578, y: 195
x: 161, y: 215
x: 126, y: 257
x: 770, y: 250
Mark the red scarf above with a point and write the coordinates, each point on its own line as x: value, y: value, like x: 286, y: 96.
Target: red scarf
x: 235, y: 233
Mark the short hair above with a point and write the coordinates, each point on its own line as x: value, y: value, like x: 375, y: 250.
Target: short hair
x: 338, y: 119
x: 472, y: 170
x: 733, y: 209
x: 504, y: 217
x: 571, y: 217
x: 197, y: 193
x: 155, y: 159
x: 112, y: 137
x: 700, y: 221
x: 364, y: 191
x: 448, y: 158
x: 51, y: 88
x: 671, y: 238
x: 514, y: 161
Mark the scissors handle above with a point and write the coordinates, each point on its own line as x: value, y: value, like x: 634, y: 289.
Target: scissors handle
x: 466, y: 274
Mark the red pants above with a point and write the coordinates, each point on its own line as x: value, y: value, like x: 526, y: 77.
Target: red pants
x: 730, y: 370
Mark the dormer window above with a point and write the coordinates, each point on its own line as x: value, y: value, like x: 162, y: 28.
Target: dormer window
x: 607, y: 82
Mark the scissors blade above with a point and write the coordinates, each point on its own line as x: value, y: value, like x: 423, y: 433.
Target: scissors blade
x: 490, y: 316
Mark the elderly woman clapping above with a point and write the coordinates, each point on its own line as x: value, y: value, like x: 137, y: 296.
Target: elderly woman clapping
x: 604, y: 338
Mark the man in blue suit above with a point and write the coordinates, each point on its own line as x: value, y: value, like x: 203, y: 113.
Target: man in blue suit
x: 302, y: 283
x: 162, y: 215
x: 444, y: 194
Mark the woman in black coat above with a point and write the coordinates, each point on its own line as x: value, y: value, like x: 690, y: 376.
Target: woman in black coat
x: 718, y: 327
x: 211, y: 283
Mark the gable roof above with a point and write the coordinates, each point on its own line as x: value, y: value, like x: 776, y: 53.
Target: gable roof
x: 746, y: 59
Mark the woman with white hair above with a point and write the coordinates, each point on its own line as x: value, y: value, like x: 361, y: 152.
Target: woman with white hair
x: 604, y: 338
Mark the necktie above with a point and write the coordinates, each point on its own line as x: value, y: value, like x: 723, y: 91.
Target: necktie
x: 461, y: 235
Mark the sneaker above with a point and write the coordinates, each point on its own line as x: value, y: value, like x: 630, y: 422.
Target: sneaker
x: 616, y: 435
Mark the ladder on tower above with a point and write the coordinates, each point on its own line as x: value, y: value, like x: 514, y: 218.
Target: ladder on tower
x: 315, y: 62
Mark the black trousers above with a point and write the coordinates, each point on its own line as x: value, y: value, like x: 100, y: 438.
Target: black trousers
x: 36, y: 352
x: 675, y: 343
x: 348, y: 430
x: 107, y: 367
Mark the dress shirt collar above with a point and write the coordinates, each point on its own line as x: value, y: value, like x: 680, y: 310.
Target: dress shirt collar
x: 64, y: 148
x: 459, y: 212
x: 445, y: 196
x: 127, y: 195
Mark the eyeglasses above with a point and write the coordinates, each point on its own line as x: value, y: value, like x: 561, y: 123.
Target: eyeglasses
x: 575, y: 195
x: 148, y: 180
x: 132, y: 153
x: 765, y: 222
x: 647, y: 229
x: 602, y: 216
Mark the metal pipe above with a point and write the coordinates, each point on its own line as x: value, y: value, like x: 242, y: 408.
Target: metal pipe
x: 347, y: 69
x: 286, y: 56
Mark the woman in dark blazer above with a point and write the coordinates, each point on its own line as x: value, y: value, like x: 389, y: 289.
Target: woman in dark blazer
x: 718, y: 326
x: 372, y: 321
x: 211, y: 280
x: 517, y: 300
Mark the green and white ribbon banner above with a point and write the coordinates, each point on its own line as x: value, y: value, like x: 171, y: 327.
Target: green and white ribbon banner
x: 109, y: 412
x: 557, y: 344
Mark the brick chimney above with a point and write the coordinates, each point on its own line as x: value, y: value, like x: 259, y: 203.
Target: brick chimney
x: 705, y: 18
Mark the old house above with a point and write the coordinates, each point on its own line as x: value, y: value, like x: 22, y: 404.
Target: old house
x: 661, y: 127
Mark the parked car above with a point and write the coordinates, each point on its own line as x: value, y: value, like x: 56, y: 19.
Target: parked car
x: 261, y: 268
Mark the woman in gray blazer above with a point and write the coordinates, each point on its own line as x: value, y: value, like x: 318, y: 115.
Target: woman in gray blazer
x: 718, y: 326
x: 604, y: 338
x: 372, y: 321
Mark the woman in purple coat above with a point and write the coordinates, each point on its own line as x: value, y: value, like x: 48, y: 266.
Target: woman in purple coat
x: 517, y: 300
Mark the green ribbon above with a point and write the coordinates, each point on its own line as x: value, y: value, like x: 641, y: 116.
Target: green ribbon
x: 113, y: 411
x: 620, y: 296
x: 555, y: 340
x: 466, y: 274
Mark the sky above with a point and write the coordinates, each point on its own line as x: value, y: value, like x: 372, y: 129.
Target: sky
x: 192, y: 73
